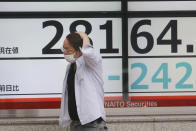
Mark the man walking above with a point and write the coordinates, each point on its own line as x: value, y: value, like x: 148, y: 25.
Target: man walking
x: 82, y: 104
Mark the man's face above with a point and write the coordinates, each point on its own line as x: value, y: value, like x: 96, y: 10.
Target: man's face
x: 68, y: 47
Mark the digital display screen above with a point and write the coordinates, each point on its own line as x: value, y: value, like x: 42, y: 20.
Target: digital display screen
x: 156, y: 42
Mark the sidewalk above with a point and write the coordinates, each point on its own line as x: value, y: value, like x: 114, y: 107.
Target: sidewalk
x: 114, y: 123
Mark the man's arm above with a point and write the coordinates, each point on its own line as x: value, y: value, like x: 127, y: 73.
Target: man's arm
x: 84, y: 36
x: 90, y: 56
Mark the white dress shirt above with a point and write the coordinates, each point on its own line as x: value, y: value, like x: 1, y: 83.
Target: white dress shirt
x: 89, y: 92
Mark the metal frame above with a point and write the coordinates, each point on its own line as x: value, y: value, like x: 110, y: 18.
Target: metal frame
x: 124, y: 14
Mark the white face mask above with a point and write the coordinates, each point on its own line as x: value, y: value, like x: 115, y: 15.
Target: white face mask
x: 70, y: 58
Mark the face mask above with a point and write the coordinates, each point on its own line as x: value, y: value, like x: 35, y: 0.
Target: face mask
x: 70, y: 58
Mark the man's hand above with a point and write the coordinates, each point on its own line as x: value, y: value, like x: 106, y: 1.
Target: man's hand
x: 84, y: 36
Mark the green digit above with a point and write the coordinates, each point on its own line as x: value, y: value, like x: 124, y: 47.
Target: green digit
x: 180, y: 84
x: 135, y: 84
x: 165, y: 80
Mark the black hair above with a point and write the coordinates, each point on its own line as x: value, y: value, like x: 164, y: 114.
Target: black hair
x: 75, y: 40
